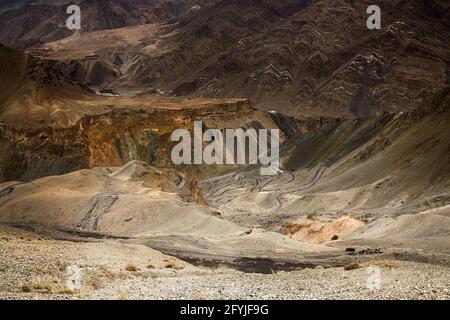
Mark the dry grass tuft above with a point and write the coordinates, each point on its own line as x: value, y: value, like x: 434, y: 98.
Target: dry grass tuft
x: 131, y: 267
x: 353, y: 266
x: 384, y: 264
x: 66, y: 291
x: 174, y: 265
x: 25, y: 288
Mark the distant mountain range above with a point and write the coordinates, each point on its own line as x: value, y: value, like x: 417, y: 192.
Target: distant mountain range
x: 297, y: 57
x: 30, y: 23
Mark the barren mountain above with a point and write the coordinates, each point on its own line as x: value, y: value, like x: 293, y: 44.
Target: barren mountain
x: 147, y: 205
x: 369, y: 169
x: 380, y: 181
x: 373, y: 186
x: 30, y: 23
x: 296, y: 57
x: 86, y: 120
x: 50, y: 125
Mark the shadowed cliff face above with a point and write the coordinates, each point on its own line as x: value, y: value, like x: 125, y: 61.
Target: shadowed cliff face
x: 295, y: 57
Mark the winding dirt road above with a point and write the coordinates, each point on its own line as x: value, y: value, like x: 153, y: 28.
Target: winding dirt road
x: 222, y: 190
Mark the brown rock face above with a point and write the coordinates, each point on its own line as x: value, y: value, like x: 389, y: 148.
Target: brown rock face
x: 112, y: 139
x: 51, y: 126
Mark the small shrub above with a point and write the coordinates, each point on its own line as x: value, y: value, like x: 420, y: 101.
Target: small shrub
x: 353, y: 266
x: 25, y: 288
x: 41, y: 287
x: 131, y: 267
x: 66, y: 291
x: 385, y: 264
x: 174, y: 265
x: 334, y: 238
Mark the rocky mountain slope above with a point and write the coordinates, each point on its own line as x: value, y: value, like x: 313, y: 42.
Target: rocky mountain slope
x: 30, y: 23
x: 145, y: 204
x: 379, y: 181
x: 85, y: 148
x: 297, y: 57
x: 50, y: 125
x: 373, y: 186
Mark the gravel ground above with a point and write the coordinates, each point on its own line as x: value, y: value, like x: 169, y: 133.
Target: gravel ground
x: 407, y: 281
x: 35, y: 267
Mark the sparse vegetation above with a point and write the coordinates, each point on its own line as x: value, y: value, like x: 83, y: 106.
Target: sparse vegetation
x: 131, y: 267
x: 25, y: 288
x: 66, y: 291
x: 61, y: 265
x: 174, y: 265
x: 353, y: 266
x: 334, y: 238
x: 385, y: 264
x: 41, y: 287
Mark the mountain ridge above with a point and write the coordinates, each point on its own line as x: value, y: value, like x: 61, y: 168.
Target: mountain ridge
x: 295, y: 63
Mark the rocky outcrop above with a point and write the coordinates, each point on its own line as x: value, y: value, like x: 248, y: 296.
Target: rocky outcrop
x: 50, y: 125
x: 295, y: 126
x: 112, y: 139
